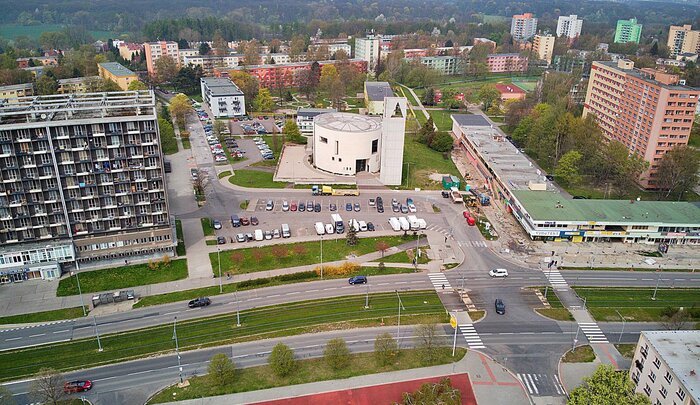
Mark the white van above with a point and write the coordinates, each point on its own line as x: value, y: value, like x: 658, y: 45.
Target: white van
x: 395, y: 225
x: 320, y: 228
x: 329, y: 229
x: 413, y: 222
x: 355, y: 225
x: 363, y: 226
x: 405, y: 226
x: 285, y: 231
x: 258, y: 234
x: 422, y: 224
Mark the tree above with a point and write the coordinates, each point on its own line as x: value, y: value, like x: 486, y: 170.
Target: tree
x: 264, y: 102
x: 46, y: 85
x: 47, y: 387
x: 427, y: 342
x: 308, y: 83
x: 675, y: 318
x: 678, y: 170
x: 567, y: 170
x: 382, y: 246
x: 488, y: 95
x: 204, y: 48
x: 251, y: 53
x: 427, y: 132
x: 351, y: 237
x: 296, y: 47
x: 607, y: 386
x: 221, y: 370
x: 291, y: 132
x: 166, y: 69
x: 439, y: 393
x: 429, y: 96
x: 385, y: 349
x: 442, y: 142
x: 200, y: 183
x: 275, y: 45
x: 6, y: 397
x: 219, y: 127
x: 337, y: 354
x: 248, y: 85
x: 168, y: 143
x: 219, y: 44
x: 282, y: 360
x: 109, y: 85
x: 179, y: 107
x: 137, y: 85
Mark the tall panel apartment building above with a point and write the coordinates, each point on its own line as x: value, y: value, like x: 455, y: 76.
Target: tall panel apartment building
x: 156, y: 50
x: 647, y: 110
x: 628, y: 31
x: 683, y: 39
x: 367, y: 49
x: 523, y: 27
x: 569, y: 26
x: 543, y: 47
x: 81, y: 178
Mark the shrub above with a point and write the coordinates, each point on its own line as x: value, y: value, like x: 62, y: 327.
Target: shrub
x: 337, y: 354
x: 298, y: 276
x: 282, y: 360
x: 254, y: 282
x: 385, y: 349
x: 221, y: 370
x: 344, y: 269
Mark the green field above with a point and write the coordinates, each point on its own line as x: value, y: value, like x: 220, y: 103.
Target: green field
x: 557, y: 310
x: 424, y: 161
x: 45, y: 316
x: 403, y: 257
x: 442, y: 118
x: 259, y: 323
x: 12, y: 31
x: 255, y: 179
x: 636, y: 304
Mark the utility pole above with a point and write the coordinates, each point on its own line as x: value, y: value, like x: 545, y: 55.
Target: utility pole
x: 623, y: 326
x: 218, y: 259
x: 398, y: 324
x: 367, y: 297
x: 80, y: 292
x: 177, y: 349
x: 238, y: 309
x: 658, y: 279
x: 321, y: 236
x: 97, y: 334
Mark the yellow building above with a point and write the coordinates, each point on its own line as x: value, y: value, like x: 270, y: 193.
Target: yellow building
x: 683, y: 39
x: 11, y: 93
x: 543, y: 47
x: 77, y: 85
x: 117, y: 73
x: 127, y: 50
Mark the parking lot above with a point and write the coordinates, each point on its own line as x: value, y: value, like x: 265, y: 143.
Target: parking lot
x: 237, y: 126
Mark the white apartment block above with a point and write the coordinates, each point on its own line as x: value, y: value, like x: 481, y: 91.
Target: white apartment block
x: 368, y: 49
x: 683, y: 39
x: 569, y: 26
x: 223, y: 97
x: 665, y: 367
x: 523, y: 26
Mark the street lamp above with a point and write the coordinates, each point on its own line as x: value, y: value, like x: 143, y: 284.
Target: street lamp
x: 658, y: 278
x: 218, y: 259
x: 97, y: 334
x: 398, y: 324
x: 177, y: 349
x: 238, y: 309
x: 80, y: 292
x: 321, y: 236
x: 623, y: 326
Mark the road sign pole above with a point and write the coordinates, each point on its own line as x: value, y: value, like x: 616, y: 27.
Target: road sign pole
x: 177, y: 349
x: 80, y: 292
x: 454, y: 339
x: 218, y: 259
x: 97, y: 334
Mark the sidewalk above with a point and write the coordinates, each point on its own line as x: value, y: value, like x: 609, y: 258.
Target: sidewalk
x: 491, y: 383
x: 198, y: 263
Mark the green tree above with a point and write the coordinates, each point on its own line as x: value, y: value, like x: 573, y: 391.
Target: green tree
x: 204, y: 49
x: 264, y: 102
x: 179, y: 107
x: 221, y: 370
x: 351, y: 237
x: 282, y: 360
x: 166, y: 69
x: 108, y: 85
x: 567, y: 170
x: 168, y: 144
x: 442, y: 142
x: 46, y: 85
x: 426, y: 133
x: 248, y: 84
x: 219, y: 127
x: 429, y: 96
x: 440, y: 393
x: 337, y: 354
x: 488, y: 95
x: 6, y: 397
x: 427, y: 342
x: 386, y: 350
x: 607, y: 386
x: 678, y: 170
x: 292, y: 133
x: 137, y: 85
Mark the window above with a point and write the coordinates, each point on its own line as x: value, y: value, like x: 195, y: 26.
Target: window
x: 681, y: 394
x: 647, y: 390
x: 652, y: 376
x: 657, y: 363
x: 668, y: 377
x: 324, y: 139
x: 337, y: 147
x: 375, y: 145
x: 663, y: 392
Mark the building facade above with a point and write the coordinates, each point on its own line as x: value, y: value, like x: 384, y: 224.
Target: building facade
x: 683, y: 39
x: 569, y: 26
x: 665, y: 367
x: 523, y: 26
x: 224, y: 98
x: 543, y: 47
x: 375, y: 93
x: 10, y: 94
x: 128, y: 50
x: 393, y: 137
x: 84, y: 174
x: 628, y: 31
x: 445, y: 65
x: 647, y: 110
x: 116, y: 73
x: 76, y: 85
x: 368, y: 49
x: 305, y: 118
x: 156, y: 50
x: 346, y: 144
x: 506, y: 62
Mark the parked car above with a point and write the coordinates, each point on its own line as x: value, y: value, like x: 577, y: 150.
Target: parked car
x: 268, y: 235
x: 357, y: 207
x: 77, y: 386
x: 317, y: 207
x: 302, y: 207
x: 220, y: 240
x: 348, y: 207
x: 371, y: 202
x: 404, y: 209
x: 333, y: 207
x: 285, y: 205
x: 370, y: 226
x: 199, y: 302
x: 357, y: 280
x: 254, y: 221
x: 216, y: 224
x: 245, y: 221
x: 309, y: 206
x: 276, y: 233
x: 500, y: 306
x: 445, y: 194
x: 240, y: 237
x: 270, y: 205
x: 329, y: 229
x: 293, y: 207
x: 380, y: 208
x: 395, y: 208
x: 498, y: 273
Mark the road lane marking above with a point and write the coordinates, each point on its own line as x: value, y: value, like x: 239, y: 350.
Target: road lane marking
x: 62, y: 331
x: 10, y: 339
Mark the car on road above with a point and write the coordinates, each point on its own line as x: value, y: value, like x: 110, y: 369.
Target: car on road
x: 77, y: 386
x: 500, y: 306
x: 293, y: 207
x: 199, y: 302
x: 445, y: 194
x: 245, y: 221
x: 357, y: 280
x: 333, y: 207
x: 285, y: 205
x: 254, y: 221
x: 270, y: 205
x: 357, y: 207
x: 240, y: 238
x: 348, y: 207
x: 216, y: 224
x: 498, y: 273
x: 221, y: 240
x: 370, y: 226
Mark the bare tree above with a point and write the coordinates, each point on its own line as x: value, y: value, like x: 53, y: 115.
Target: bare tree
x: 676, y: 321
x: 47, y: 387
x: 6, y: 397
x: 427, y: 342
x: 382, y: 246
x: 386, y: 350
x: 200, y: 183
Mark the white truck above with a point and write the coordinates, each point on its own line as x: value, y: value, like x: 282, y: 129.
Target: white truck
x: 405, y: 226
x: 395, y: 225
x: 422, y: 224
x: 413, y: 222
x: 363, y: 226
x: 320, y: 228
x: 258, y: 235
x: 338, y: 223
x: 355, y: 225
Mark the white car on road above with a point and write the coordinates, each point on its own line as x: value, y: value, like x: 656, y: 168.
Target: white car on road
x: 498, y: 273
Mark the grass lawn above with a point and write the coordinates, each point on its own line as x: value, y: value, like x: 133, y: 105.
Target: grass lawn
x: 557, y: 310
x: 635, y: 304
x: 408, y: 95
x: 626, y: 350
x: 180, y: 249
x: 207, y: 227
x: 259, y: 323
x: 186, y: 143
x: 423, y: 162
x: 255, y: 179
x: 442, y: 119
x: 211, y: 242
x: 476, y: 315
x: 306, y: 371
x: 582, y: 354
x: 259, y: 283
x: 225, y: 173
x: 403, y: 257
x: 262, y: 258
x: 122, y: 277
x: 12, y: 31
x: 45, y: 316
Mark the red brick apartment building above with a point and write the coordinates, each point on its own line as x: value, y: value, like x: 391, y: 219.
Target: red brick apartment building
x: 647, y: 110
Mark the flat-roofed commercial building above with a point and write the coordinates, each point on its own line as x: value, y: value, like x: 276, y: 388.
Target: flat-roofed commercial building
x: 116, y: 73
x: 375, y: 92
x: 223, y: 97
x: 82, y: 171
x: 9, y: 94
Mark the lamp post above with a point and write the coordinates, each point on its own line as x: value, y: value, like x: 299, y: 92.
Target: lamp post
x: 398, y: 324
x: 97, y: 334
x: 80, y: 292
x: 177, y: 349
x: 658, y: 279
x: 218, y: 259
x: 238, y: 309
x: 623, y: 326
x: 367, y: 297
x: 321, y: 236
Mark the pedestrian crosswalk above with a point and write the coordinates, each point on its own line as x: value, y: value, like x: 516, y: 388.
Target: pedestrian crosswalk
x: 541, y: 384
x: 593, y: 332
x: 471, y: 336
x: 440, y: 282
x: 473, y: 243
x: 556, y: 280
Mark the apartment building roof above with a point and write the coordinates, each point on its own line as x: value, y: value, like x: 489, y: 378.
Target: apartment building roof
x: 21, y: 86
x: 553, y: 206
x: 470, y: 120
x: 116, y: 69
x: 641, y: 75
x: 76, y: 80
x: 376, y: 91
x: 312, y: 112
x: 221, y: 86
x: 680, y: 350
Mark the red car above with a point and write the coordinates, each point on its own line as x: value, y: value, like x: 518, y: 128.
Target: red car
x: 77, y: 386
x: 466, y: 214
x: 293, y: 207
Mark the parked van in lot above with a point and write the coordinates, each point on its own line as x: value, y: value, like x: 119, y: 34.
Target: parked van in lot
x: 395, y: 224
x: 259, y: 234
x: 355, y: 225
x: 363, y: 226
x: 413, y: 222
x: 285, y: 231
x: 405, y: 226
x: 338, y: 222
x: 320, y: 228
x: 235, y: 221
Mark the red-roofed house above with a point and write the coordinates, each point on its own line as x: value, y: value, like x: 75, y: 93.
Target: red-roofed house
x: 510, y: 92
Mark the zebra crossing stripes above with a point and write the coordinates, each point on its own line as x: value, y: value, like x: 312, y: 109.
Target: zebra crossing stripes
x: 556, y: 280
x: 433, y: 227
x: 473, y: 243
x: 439, y: 281
x: 471, y: 336
x: 541, y: 384
x: 593, y: 332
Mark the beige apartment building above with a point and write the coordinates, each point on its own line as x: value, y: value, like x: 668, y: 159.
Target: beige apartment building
x: 647, y: 110
x: 543, y: 47
x: 683, y: 39
x: 12, y: 92
x: 117, y: 73
x: 155, y: 50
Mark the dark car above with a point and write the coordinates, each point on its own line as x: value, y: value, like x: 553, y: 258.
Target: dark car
x: 380, y: 208
x: 357, y: 207
x: 333, y: 207
x: 404, y: 209
x: 199, y: 302
x: 348, y: 207
x: 395, y: 208
x: 77, y: 386
x: 370, y: 226
x: 302, y: 207
x: 317, y: 207
x: 220, y: 240
x: 380, y: 200
x: 500, y: 306
x: 445, y: 194
x: 254, y: 220
x: 357, y: 280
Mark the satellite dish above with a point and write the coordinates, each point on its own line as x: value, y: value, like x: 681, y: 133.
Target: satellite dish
x: 43, y: 116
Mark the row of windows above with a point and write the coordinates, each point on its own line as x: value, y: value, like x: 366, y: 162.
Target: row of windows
x: 122, y: 243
